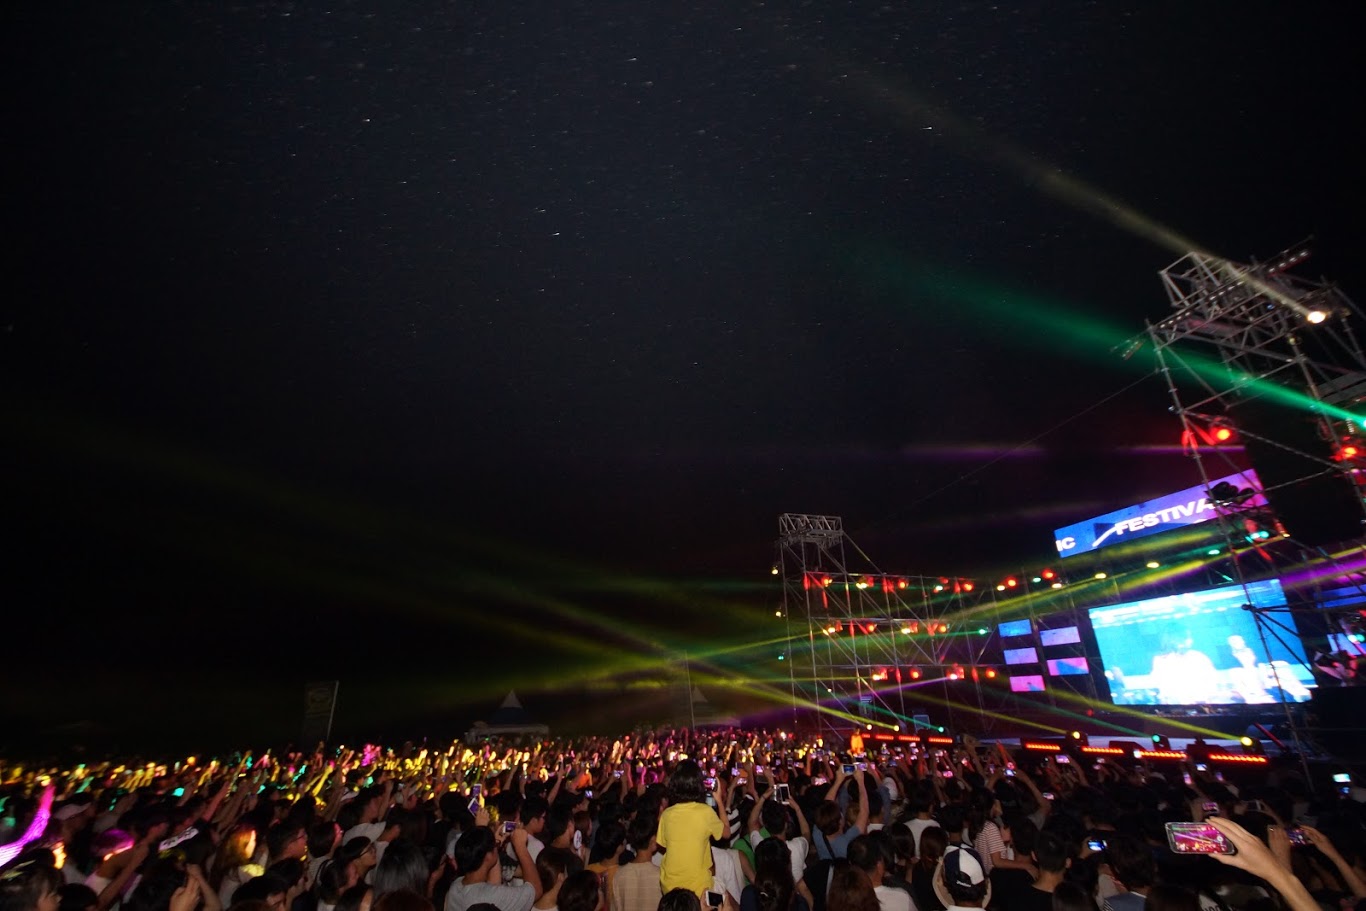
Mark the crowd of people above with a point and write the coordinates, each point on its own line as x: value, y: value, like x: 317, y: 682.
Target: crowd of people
x: 683, y: 820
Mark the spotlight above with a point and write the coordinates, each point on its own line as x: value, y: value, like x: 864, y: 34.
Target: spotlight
x: 1048, y: 574
x: 1102, y: 575
x: 774, y: 570
x: 1222, y: 434
x: 991, y: 673
x: 778, y: 612
x: 1057, y: 585
x: 1012, y: 582
x: 967, y: 585
x: 1153, y: 564
x: 1316, y: 316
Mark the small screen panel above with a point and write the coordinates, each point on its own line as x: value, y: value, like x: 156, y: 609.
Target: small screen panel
x: 1030, y: 683
x: 1022, y: 655
x: 1067, y: 635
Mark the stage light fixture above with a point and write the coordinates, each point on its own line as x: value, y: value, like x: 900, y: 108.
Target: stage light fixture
x: 1152, y: 564
x: 778, y: 612
x: 1226, y: 494
x: 1000, y: 588
x: 982, y: 630
x: 1012, y: 582
x: 1048, y: 574
x: 1057, y: 585
x: 1222, y: 434
x: 1102, y: 575
x: 1316, y: 316
x: 967, y: 585
x: 991, y: 673
x: 774, y: 570
x: 1213, y: 552
x: 1036, y: 580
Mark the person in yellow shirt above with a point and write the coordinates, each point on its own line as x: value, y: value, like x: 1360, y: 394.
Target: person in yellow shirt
x: 687, y: 827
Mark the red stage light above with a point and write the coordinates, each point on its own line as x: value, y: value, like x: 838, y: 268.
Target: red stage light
x: 1347, y: 453
x: 915, y: 673
x: 1012, y: 582
x: 991, y: 673
x: 1044, y: 747
x: 967, y: 585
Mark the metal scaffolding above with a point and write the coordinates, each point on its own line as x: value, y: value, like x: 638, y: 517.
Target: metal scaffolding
x: 1246, y: 333
x: 873, y: 647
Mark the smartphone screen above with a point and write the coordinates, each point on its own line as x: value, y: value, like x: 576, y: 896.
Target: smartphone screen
x: 848, y: 769
x: 1297, y: 836
x: 1047, y: 795
x: 509, y: 827
x: 709, y: 784
x: 782, y: 792
x: 1010, y: 773
x: 1064, y: 760
x: 1196, y: 838
x: 1095, y: 844
x: 474, y: 807
x: 1209, y: 806
x: 1201, y: 767
x: 1342, y: 778
x: 476, y: 791
x: 1186, y: 778
x: 713, y: 899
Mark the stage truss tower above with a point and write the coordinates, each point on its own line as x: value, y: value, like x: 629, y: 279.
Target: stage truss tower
x: 1250, y: 336
x: 861, y: 641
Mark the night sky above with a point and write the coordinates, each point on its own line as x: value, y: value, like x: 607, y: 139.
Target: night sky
x: 434, y: 348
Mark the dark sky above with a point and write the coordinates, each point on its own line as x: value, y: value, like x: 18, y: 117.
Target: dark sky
x: 405, y: 346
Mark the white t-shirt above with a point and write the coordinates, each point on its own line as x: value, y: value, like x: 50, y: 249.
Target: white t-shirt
x: 507, y: 898
x: 917, y: 826
x: 534, y: 846
x: 728, y: 878
x: 890, y: 899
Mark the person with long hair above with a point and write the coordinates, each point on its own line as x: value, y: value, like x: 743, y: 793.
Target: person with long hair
x: 773, y: 889
x: 851, y: 890
x: 235, y: 862
x: 934, y: 842
x: 403, y: 866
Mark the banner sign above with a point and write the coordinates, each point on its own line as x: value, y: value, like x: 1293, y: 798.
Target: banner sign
x: 1175, y: 510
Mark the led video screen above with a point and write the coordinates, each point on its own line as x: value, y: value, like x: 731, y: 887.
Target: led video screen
x: 1022, y: 655
x: 1066, y: 635
x: 1029, y: 683
x: 1199, y: 648
x: 1066, y: 667
x: 1014, y: 628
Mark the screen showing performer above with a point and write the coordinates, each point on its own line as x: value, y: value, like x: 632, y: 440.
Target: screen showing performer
x: 1202, y: 648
